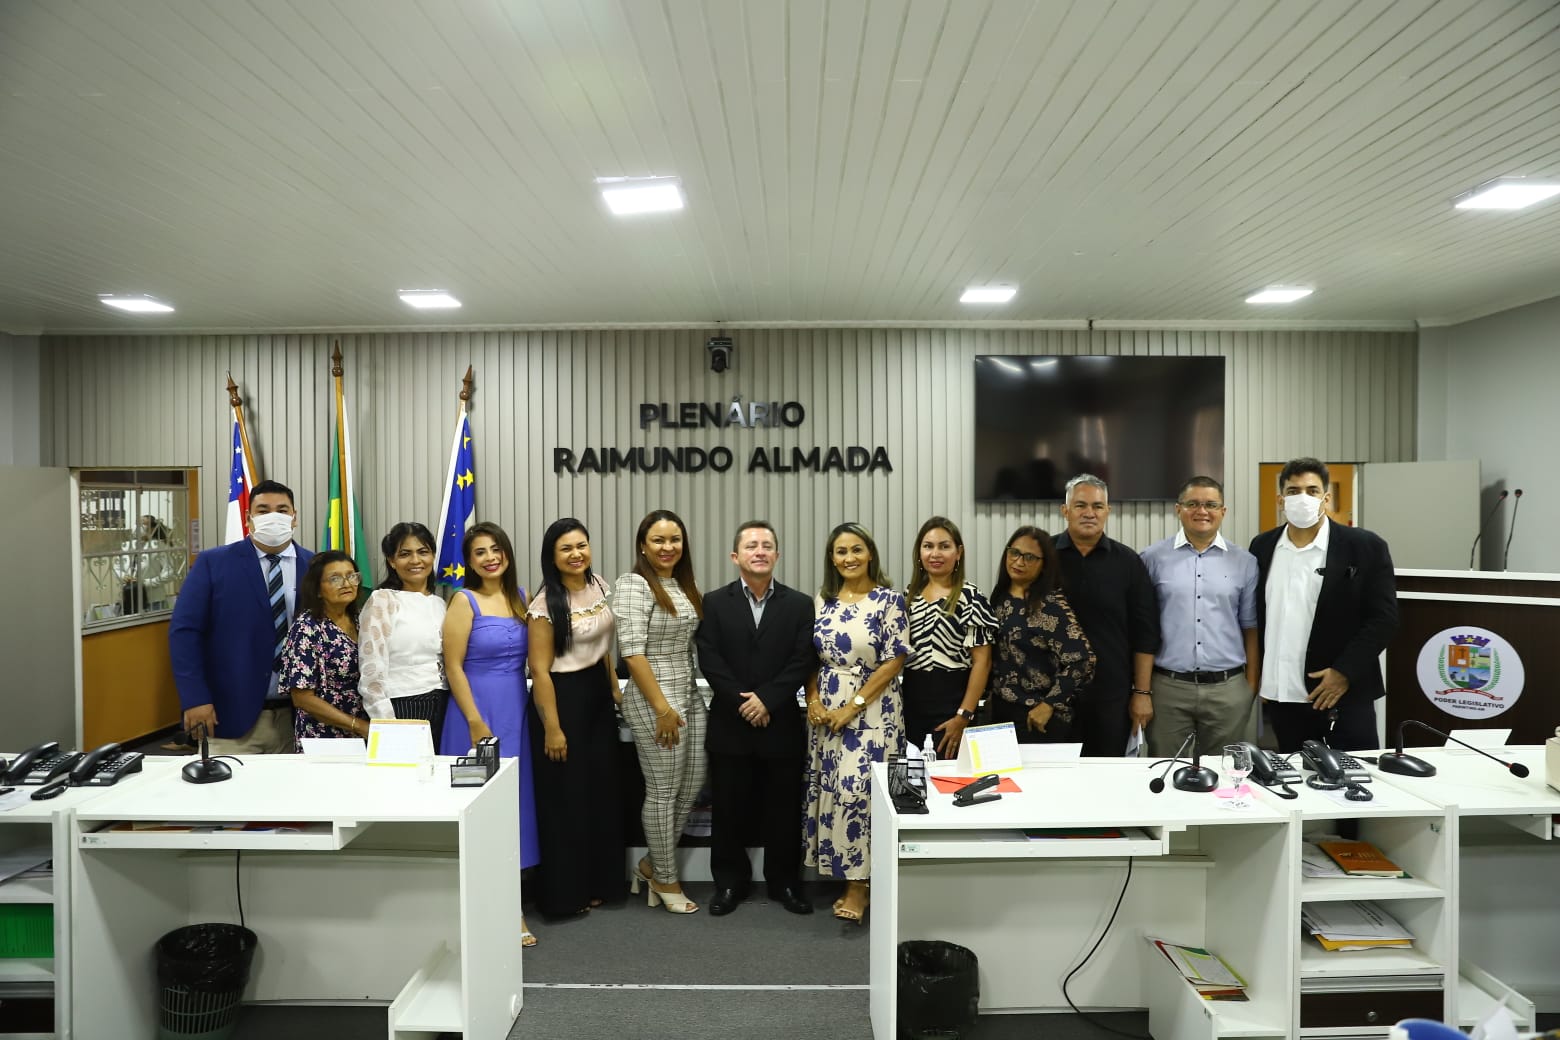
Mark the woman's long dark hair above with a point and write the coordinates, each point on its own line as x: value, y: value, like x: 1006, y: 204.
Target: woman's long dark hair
x: 683, y: 571
x: 1049, y: 578
x: 390, y: 544
x: 311, y: 600
x: 832, y: 582
x: 552, y: 581
x: 918, y: 575
x: 509, y: 582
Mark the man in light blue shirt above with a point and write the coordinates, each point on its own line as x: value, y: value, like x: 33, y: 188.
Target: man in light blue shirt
x: 1207, y: 669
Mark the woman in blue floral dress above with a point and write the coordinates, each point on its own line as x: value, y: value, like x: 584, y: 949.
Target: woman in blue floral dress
x: 853, y: 709
x: 320, y: 657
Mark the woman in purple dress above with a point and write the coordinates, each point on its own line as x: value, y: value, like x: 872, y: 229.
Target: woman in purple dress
x: 484, y: 660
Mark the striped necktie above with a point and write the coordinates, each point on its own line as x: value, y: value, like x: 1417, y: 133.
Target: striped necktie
x: 277, y: 592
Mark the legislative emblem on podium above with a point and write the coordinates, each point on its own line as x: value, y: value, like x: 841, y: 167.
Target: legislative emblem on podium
x: 1470, y: 672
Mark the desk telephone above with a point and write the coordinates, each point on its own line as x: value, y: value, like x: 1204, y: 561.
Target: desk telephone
x: 1270, y: 769
x: 44, y: 763
x: 1333, y: 766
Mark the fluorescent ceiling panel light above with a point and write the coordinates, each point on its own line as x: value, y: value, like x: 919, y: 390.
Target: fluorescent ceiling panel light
x: 627, y: 196
x: 1507, y: 193
x: 136, y: 304
x: 429, y: 299
x: 988, y: 294
x: 1279, y: 294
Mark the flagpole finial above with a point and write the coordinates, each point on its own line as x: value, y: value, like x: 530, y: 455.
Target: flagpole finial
x: 467, y: 383
x: 335, y: 361
x: 232, y: 389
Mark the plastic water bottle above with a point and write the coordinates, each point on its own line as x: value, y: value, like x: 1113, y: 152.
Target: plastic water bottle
x: 929, y: 749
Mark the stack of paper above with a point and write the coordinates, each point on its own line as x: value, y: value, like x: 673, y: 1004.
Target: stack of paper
x: 1205, y: 972
x: 1353, y: 926
x: 1316, y: 863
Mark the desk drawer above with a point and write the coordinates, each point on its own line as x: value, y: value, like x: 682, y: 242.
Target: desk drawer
x: 1371, y: 1009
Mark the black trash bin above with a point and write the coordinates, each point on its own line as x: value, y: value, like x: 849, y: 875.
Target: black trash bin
x: 939, y: 989
x: 201, y: 973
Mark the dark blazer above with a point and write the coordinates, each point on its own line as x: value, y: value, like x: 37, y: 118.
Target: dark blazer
x: 1356, y: 610
x: 221, y: 639
x: 773, y: 660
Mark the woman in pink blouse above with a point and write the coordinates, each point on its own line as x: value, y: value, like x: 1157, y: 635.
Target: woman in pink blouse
x: 573, y: 694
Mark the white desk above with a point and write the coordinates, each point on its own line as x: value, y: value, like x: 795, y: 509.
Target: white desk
x: 1031, y: 909
x: 47, y: 823
x: 405, y: 890
x: 1506, y: 866
x: 1225, y: 879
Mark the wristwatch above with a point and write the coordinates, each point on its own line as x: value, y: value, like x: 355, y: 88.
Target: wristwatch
x: 859, y: 701
x: 967, y: 716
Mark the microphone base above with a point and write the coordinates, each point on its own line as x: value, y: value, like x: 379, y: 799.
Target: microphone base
x: 207, y: 771
x: 1404, y: 765
x: 1194, y: 778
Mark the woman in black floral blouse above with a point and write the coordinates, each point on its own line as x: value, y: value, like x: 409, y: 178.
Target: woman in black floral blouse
x: 320, y: 658
x: 1042, y: 656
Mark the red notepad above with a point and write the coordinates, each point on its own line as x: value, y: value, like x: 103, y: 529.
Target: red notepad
x: 951, y: 784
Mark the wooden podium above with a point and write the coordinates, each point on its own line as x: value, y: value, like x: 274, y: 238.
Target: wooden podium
x: 1521, y: 612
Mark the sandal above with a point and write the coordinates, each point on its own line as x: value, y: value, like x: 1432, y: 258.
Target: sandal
x: 848, y: 909
x: 526, y: 938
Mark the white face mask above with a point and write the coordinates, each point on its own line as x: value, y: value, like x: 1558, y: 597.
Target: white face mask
x: 272, y: 528
x: 1302, y: 510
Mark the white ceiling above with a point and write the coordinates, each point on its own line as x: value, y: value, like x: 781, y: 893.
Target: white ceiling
x: 275, y: 164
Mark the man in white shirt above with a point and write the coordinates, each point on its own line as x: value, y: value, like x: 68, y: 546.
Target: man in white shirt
x: 1327, y: 607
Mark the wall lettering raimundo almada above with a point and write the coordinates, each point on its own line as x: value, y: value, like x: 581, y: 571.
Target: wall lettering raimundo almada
x: 703, y: 415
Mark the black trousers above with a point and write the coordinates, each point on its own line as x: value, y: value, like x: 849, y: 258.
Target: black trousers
x: 1102, y: 724
x: 931, y: 697
x: 579, y: 821
x: 1353, y: 729
x: 759, y: 798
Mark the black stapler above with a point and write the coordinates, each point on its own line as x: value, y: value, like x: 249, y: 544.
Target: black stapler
x: 978, y: 791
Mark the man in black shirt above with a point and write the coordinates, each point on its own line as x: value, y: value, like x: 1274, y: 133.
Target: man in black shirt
x: 1111, y: 593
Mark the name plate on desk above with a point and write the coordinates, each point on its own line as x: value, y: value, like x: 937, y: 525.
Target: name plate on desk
x: 400, y: 742
x: 990, y: 749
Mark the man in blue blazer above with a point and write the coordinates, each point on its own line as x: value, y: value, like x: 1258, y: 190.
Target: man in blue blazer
x: 225, y: 638
x: 1326, y: 609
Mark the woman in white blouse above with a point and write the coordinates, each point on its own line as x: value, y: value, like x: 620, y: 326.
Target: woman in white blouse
x: 657, y: 607
x: 578, y: 815
x: 402, y: 673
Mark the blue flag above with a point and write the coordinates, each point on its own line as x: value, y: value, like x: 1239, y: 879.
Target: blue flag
x: 460, y: 504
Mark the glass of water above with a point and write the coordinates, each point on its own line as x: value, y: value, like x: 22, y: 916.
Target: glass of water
x: 1236, y: 765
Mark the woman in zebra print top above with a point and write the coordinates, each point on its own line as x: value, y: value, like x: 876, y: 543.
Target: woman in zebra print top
x: 951, y: 632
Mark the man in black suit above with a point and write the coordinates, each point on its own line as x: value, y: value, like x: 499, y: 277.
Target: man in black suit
x: 755, y: 650
x: 1326, y: 609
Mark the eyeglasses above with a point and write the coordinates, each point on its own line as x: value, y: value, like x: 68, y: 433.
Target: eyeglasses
x: 1212, y: 507
x: 342, y: 581
x: 1020, y: 556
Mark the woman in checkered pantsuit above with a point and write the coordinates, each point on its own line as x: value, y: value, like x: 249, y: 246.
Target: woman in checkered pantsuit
x: 658, y: 607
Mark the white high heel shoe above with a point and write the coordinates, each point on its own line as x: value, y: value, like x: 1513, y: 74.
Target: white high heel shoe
x: 675, y: 902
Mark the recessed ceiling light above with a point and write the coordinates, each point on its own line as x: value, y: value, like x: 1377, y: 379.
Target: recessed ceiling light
x: 428, y: 299
x: 1279, y: 294
x: 139, y: 304
x: 626, y: 196
x: 988, y: 294
x: 1507, y: 193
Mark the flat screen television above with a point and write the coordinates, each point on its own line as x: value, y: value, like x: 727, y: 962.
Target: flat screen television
x: 1143, y: 424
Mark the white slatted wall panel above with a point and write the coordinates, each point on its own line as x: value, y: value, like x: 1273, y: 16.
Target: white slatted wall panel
x: 144, y: 401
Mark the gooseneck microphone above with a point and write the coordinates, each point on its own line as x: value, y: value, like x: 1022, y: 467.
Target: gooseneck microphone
x: 1195, y: 777
x: 1511, y: 531
x: 1504, y: 494
x: 1157, y: 784
x: 1408, y: 765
